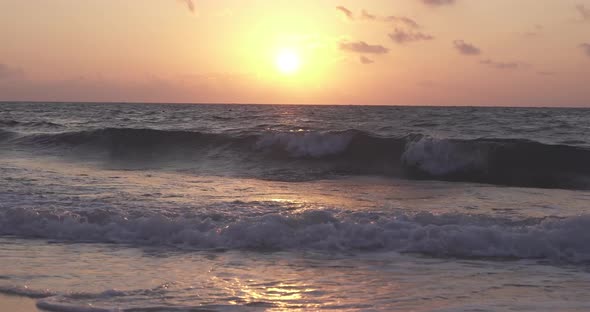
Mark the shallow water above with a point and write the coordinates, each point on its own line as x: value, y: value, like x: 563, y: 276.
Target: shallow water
x: 62, y: 275
x: 184, y: 208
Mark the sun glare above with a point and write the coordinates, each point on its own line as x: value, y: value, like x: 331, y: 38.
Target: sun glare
x: 288, y: 62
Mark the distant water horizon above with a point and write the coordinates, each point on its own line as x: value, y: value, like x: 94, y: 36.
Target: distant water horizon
x: 474, y: 105
x: 224, y: 207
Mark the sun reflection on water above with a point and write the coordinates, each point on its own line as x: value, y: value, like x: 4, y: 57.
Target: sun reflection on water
x: 272, y: 295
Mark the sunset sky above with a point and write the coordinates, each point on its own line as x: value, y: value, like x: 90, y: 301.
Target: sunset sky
x: 398, y: 52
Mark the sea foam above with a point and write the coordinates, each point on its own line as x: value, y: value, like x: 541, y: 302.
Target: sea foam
x: 449, y: 235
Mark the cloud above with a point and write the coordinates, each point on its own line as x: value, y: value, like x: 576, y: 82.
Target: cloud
x: 7, y: 72
x: 365, y: 60
x: 363, y: 47
x: 438, y: 2
x: 348, y: 13
x: 586, y: 48
x: 584, y: 12
x: 402, y: 36
x: 398, y: 20
x: 466, y: 48
x: 503, y: 65
x: 406, y: 21
x: 366, y: 16
x: 189, y: 4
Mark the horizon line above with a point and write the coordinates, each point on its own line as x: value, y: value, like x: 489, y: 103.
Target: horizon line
x: 287, y: 104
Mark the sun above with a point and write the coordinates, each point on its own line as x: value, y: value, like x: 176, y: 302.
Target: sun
x: 288, y: 62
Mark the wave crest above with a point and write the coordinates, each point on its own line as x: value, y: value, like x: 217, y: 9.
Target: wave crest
x: 307, y: 144
x: 499, y: 161
x: 452, y: 235
x: 496, y: 161
x: 440, y: 157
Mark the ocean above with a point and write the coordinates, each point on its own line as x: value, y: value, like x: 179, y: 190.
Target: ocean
x: 172, y: 207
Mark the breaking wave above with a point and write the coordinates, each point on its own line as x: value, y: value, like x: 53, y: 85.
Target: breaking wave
x: 511, y: 162
x: 447, y: 235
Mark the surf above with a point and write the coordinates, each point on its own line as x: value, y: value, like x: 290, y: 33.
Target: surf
x: 511, y: 162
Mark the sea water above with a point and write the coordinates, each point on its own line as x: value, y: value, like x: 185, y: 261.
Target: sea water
x: 152, y: 207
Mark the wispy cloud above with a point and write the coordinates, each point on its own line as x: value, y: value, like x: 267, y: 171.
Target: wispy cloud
x: 363, y: 47
x: 189, y: 4
x: 586, y: 48
x: 365, y: 60
x: 406, y: 21
x: 366, y: 16
x: 402, y: 36
x: 347, y: 13
x: 584, y: 12
x: 405, y: 28
x: 438, y: 2
x: 397, y: 20
x: 503, y: 65
x: 466, y: 48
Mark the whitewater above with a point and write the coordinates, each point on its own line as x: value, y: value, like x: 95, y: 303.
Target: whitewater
x: 171, y: 207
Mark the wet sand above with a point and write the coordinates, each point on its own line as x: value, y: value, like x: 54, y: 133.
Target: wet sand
x: 17, y: 304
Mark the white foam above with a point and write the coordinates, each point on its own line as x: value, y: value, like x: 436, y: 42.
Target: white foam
x: 441, y: 156
x: 307, y: 144
x: 26, y: 291
x: 78, y: 301
x: 53, y: 304
x: 439, y: 235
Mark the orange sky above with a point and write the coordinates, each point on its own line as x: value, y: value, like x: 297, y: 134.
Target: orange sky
x: 404, y: 52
